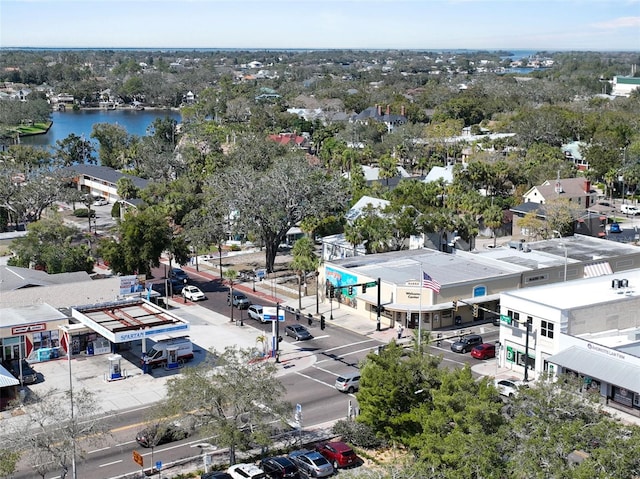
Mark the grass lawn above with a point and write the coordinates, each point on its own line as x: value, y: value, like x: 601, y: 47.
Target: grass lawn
x: 35, y: 129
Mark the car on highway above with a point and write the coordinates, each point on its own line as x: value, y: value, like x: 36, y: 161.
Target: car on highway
x: 29, y: 375
x: 239, y: 300
x: 246, y: 471
x: 193, y: 293
x: 466, y: 343
x: 311, y: 463
x: 348, y: 382
x: 157, y: 434
x: 508, y: 387
x: 484, y: 351
x: 255, y: 312
x: 297, y: 331
x: 279, y: 467
x: 338, y: 453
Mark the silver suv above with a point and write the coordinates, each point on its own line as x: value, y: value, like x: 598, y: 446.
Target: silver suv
x: 466, y: 343
x: 239, y: 300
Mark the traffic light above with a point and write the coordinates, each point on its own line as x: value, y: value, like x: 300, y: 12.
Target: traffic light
x: 298, y: 315
x: 332, y: 292
x: 310, y: 319
x: 455, y: 305
x: 322, y: 323
x: 475, y: 310
x: 364, y: 288
x: 350, y: 290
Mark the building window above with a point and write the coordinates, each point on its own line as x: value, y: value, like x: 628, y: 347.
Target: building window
x: 546, y: 329
x: 515, y: 318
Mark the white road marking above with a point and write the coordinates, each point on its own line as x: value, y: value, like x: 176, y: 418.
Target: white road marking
x: 110, y: 463
x: 125, y: 443
x: 345, y: 355
x: 316, y: 380
x: 98, y: 450
x: 349, y: 345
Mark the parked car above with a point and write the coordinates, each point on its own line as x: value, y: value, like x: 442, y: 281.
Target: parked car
x: 484, y: 351
x: 216, y: 475
x: 279, y: 467
x: 297, y: 331
x: 29, y: 376
x: 255, y: 312
x: 239, y: 300
x: 311, y: 463
x: 466, y: 343
x: 161, y: 434
x: 348, y: 382
x: 179, y: 274
x: 508, y: 387
x: 246, y: 471
x: 339, y: 454
x: 193, y: 293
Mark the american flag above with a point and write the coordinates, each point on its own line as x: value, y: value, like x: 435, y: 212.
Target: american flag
x: 430, y: 283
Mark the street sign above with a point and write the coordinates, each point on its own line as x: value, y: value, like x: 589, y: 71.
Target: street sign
x: 505, y: 319
x: 158, y: 465
x: 372, y: 284
x: 137, y: 458
x: 269, y: 313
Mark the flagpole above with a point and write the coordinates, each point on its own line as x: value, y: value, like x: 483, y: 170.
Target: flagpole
x: 420, y: 281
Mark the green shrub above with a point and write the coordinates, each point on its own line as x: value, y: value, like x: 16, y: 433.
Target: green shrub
x: 83, y: 213
x: 115, y: 210
x: 235, y: 247
x: 357, y: 434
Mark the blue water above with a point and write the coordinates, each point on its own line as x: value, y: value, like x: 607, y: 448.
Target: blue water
x: 81, y: 123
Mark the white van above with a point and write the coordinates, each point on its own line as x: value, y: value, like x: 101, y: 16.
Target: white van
x: 159, y: 354
x: 630, y: 209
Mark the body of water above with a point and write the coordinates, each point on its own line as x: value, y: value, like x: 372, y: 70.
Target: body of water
x: 81, y: 123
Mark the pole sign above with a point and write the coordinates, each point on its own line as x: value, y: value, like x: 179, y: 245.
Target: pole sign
x: 137, y: 458
x: 269, y: 314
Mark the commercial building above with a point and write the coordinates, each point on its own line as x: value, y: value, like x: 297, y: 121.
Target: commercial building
x: 470, y: 282
x: 589, y: 328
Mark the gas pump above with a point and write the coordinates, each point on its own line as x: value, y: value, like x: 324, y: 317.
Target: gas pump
x: 115, y: 369
x: 172, y: 357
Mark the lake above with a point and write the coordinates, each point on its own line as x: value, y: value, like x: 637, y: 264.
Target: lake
x: 81, y: 123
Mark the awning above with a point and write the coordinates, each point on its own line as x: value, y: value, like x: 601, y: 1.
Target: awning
x: 599, y: 366
x: 426, y: 308
x: 597, y: 269
x: 7, y: 379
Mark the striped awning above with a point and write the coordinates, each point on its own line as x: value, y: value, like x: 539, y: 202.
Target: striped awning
x: 597, y: 269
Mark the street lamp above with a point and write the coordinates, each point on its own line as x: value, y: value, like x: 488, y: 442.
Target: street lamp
x: 220, y: 258
x: 526, y: 350
x: 565, y: 253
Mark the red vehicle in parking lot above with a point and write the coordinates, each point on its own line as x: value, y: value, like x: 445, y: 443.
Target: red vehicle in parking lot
x: 484, y: 351
x: 338, y: 453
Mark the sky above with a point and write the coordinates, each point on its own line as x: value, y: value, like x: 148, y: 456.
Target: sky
x: 552, y: 25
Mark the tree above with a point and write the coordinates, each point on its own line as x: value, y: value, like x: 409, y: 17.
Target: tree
x: 304, y: 260
x: 53, y: 434
x: 114, y: 141
x: 74, y: 150
x: 143, y: 236
x: 269, y: 201
x: 494, y: 218
x: 391, y: 386
x: 48, y: 245
x: 236, y: 398
x: 126, y: 188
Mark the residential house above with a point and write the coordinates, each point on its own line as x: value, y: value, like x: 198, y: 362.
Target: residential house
x: 375, y: 113
x: 573, y: 152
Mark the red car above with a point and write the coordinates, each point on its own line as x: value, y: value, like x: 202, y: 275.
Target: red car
x: 338, y: 454
x: 484, y: 351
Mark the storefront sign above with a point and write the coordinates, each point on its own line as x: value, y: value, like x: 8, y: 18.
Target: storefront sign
x: 31, y: 328
x: 607, y: 351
